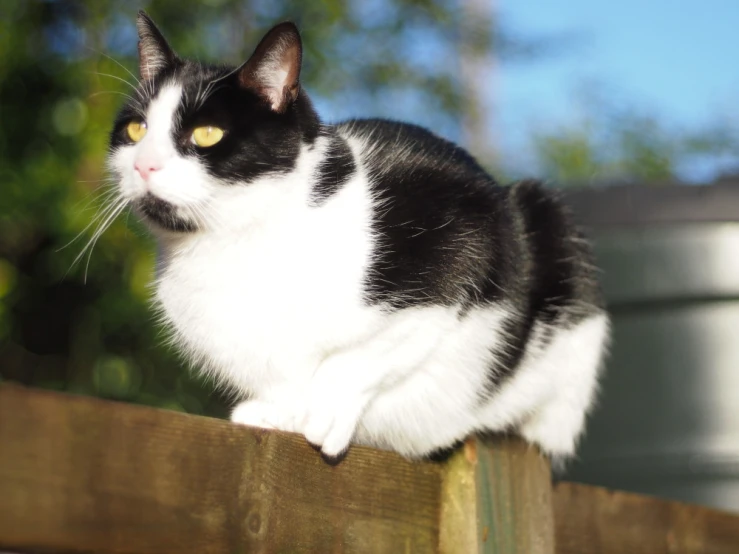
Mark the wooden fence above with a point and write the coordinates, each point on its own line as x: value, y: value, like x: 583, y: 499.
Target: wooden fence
x: 79, y: 474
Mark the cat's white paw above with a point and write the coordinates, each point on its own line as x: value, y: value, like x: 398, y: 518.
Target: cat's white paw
x: 286, y: 415
x: 331, y: 426
x: 255, y: 413
x: 333, y: 410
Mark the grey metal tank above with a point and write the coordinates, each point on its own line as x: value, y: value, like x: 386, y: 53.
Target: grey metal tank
x: 667, y: 421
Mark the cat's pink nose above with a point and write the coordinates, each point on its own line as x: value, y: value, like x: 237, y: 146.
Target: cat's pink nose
x: 145, y: 169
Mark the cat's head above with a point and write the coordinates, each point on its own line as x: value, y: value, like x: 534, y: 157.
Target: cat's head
x: 193, y: 135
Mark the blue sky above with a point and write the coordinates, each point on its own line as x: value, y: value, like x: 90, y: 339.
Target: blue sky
x: 678, y: 58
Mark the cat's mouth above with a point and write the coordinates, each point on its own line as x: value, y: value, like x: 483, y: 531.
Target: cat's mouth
x: 163, y: 214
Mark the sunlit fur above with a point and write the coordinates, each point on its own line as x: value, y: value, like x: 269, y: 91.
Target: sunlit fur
x: 395, y: 307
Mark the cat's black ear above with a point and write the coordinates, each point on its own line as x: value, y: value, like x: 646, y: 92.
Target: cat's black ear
x: 273, y: 71
x: 154, y: 52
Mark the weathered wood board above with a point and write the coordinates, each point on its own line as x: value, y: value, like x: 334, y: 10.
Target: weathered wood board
x: 84, y: 475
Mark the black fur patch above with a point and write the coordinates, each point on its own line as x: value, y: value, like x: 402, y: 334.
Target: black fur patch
x: 257, y: 140
x: 557, y: 269
x: 515, y: 336
x: 163, y: 214
x: 439, y: 218
x: 563, y: 284
x: 334, y: 170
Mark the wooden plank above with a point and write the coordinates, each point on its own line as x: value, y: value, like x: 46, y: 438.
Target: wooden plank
x: 507, y: 485
x: 592, y: 519
x: 80, y: 475
x: 459, y: 529
x: 84, y: 475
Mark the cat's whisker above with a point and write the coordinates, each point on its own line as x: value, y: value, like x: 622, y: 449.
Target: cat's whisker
x: 198, y: 214
x: 115, y: 62
x: 131, y: 98
x: 100, y: 215
x: 198, y: 210
x: 215, y: 81
x: 112, y: 214
x: 122, y: 80
x: 100, y: 231
x: 128, y: 214
x: 209, y: 93
x: 99, y: 196
x: 107, y: 180
x: 207, y: 211
x: 197, y: 102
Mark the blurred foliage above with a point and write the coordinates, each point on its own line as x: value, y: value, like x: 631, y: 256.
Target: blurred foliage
x: 618, y: 142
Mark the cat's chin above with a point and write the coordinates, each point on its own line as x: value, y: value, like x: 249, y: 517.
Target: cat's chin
x: 163, y: 215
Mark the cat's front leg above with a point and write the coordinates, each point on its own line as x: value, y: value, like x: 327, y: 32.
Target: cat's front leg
x: 336, y: 402
x: 346, y: 383
x: 255, y: 413
x: 267, y: 415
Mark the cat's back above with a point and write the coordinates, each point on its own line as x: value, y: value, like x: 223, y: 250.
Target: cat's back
x: 435, y: 214
x: 450, y: 234
x: 412, y: 156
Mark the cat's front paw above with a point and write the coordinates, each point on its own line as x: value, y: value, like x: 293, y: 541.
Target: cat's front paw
x: 255, y: 413
x: 333, y: 410
x: 258, y: 413
x: 330, y: 425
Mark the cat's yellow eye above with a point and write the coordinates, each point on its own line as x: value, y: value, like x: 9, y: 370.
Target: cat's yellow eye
x: 136, y: 130
x: 207, y: 136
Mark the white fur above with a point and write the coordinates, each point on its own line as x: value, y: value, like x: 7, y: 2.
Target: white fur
x: 267, y: 297
x: 553, y: 389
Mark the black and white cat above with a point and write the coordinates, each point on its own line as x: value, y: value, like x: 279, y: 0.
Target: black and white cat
x: 364, y: 282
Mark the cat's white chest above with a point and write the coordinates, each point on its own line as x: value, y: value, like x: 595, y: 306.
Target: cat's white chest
x: 263, y: 308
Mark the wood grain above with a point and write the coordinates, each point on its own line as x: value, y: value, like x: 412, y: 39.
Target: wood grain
x: 84, y: 475
x: 80, y: 475
x: 592, y: 519
x: 507, y: 485
x: 460, y: 531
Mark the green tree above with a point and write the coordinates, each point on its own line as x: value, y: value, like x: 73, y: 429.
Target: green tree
x: 612, y: 142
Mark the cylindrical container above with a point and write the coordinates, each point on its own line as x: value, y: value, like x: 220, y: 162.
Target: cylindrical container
x: 667, y: 419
